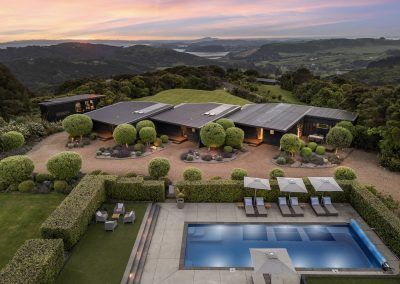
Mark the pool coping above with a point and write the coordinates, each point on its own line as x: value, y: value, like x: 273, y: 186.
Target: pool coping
x: 299, y: 269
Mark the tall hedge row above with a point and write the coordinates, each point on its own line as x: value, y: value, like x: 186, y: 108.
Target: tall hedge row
x: 378, y: 216
x: 135, y: 189
x: 71, y: 218
x: 37, y: 261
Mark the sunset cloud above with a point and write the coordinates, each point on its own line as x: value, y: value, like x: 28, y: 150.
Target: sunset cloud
x: 167, y: 19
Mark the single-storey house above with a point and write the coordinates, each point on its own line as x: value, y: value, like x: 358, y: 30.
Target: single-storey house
x: 266, y: 123
x: 59, y: 108
x: 107, y: 118
x: 185, y: 120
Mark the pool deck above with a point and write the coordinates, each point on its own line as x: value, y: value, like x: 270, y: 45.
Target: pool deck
x: 162, y: 263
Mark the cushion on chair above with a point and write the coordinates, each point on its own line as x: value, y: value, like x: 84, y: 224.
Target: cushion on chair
x: 282, y: 201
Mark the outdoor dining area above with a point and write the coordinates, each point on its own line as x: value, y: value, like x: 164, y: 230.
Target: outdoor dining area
x: 112, y: 223
x: 289, y: 206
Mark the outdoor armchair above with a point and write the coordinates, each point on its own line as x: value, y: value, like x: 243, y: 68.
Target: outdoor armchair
x: 110, y: 225
x: 129, y: 217
x: 101, y: 216
x: 119, y: 208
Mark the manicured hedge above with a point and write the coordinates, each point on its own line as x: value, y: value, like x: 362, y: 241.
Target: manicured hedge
x: 378, y: 216
x: 135, y: 189
x: 71, y: 217
x: 37, y: 261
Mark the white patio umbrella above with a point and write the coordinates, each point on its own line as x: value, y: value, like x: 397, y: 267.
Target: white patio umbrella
x: 290, y: 185
x: 256, y: 183
x: 325, y: 184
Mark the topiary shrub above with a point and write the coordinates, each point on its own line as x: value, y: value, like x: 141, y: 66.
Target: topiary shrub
x: 306, y: 152
x: 65, y: 165
x: 339, y: 138
x: 225, y: 123
x: 41, y: 177
x: 238, y: 174
x: 228, y: 149
x: 277, y: 172
x: 290, y: 143
x: 192, y: 174
x: 158, y: 142
x: 144, y: 123
x: 302, y: 144
x: 148, y: 135
x: 345, y: 173
x: 281, y: 160
x: 212, y: 135
x: 234, y: 137
x: 60, y: 186
x: 158, y: 167
x: 16, y: 169
x: 138, y: 147
x: 124, y: 134
x: 164, y: 139
x: 26, y: 186
x: 312, y: 146
x: 189, y: 157
x: 318, y: 160
x: 349, y: 126
x: 12, y: 140
x: 77, y: 125
x: 320, y: 150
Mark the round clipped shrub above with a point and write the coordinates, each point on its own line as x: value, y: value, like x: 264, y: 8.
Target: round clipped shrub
x: 306, y: 152
x: 157, y: 142
x: 312, y: 146
x: 26, y: 186
x: 212, y: 135
x: 349, y: 126
x: 238, y: 174
x: 164, y: 139
x: 138, y: 147
x: 320, y: 150
x: 225, y: 123
x: 228, y: 149
x: 234, y: 137
x: 60, y: 186
x: 77, y: 125
x: 147, y: 135
x: 41, y: 177
x: 339, y: 137
x: 302, y: 144
x: 158, y: 167
x: 277, y: 172
x: 65, y: 165
x: 124, y: 134
x: 16, y: 169
x: 144, y: 123
x: 12, y: 140
x: 345, y: 173
x: 290, y: 143
x: 192, y: 174
x: 281, y: 161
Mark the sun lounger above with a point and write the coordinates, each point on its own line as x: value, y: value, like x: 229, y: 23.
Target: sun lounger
x: 285, y: 210
x: 248, y: 207
x: 262, y: 211
x: 327, y: 202
x: 318, y: 209
x: 294, y: 203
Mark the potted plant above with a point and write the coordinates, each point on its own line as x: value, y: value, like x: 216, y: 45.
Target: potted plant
x: 180, y: 198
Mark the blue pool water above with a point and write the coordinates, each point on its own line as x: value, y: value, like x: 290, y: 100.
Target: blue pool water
x: 309, y: 246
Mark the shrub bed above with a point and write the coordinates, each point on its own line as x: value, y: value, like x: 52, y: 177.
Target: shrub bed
x: 36, y: 261
x: 70, y: 219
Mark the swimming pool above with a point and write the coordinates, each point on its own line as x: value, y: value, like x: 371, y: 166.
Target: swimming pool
x: 309, y: 246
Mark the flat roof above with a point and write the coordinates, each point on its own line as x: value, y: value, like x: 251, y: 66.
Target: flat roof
x: 127, y: 112
x: 195, y: 115
x: 70, y: 99
x: 281, y: 116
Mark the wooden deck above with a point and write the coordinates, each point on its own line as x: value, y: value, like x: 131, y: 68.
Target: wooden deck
x: 104, y: 136
x: 177, y: 139
x: 253, y: 141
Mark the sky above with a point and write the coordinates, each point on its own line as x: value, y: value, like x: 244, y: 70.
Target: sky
x: 190, y: 19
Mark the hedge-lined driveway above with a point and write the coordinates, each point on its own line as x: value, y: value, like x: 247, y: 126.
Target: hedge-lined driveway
x: 258, y: 162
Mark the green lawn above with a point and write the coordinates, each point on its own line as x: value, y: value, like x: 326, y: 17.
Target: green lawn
x: 177, y: 96
x: 351, y: 280
x: 276, y: 91
x: 100, y: 256
x: 20, y: 218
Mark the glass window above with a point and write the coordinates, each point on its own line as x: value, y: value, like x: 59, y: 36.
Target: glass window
x: 78, y: 107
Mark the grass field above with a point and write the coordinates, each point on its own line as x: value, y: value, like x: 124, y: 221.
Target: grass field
x: 100, y: 256
x: 352, y: 280
x: 273, y: 92
x: 20, y: 218
x: 177, y: 96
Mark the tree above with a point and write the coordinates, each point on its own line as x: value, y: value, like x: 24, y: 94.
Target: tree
x: 125, y: 134
x: 77, y: 125
x: 234, y: 137
x: 144, y: 123
x: 225, y: 123
x: 290, y: 143
x: 65, y: 165
x: 158, y: 168
x: 148, y: 135
x: 212, y: 135
x: 339, y: 138
x: 349, y: 126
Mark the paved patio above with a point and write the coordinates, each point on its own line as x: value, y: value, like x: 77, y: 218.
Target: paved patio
x: 163, y: 257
